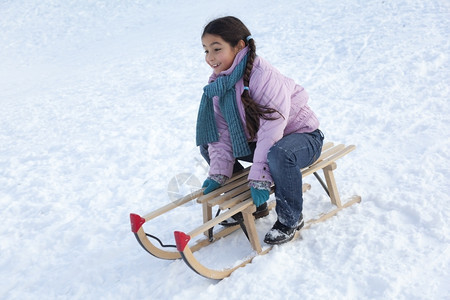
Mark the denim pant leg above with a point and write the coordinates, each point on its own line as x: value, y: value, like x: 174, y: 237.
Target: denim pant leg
x: 237, y: 165
x: 285, y: 159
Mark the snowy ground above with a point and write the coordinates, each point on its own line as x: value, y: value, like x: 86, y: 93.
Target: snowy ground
x: 98, y: 108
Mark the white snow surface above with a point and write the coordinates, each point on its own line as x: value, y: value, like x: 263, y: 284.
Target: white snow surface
x: 98, y: 108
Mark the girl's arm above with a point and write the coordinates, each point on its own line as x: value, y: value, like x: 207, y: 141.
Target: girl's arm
x: 270, y: 89
x: 221, y: 152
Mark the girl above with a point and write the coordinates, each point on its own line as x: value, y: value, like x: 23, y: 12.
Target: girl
x: 250, y: 111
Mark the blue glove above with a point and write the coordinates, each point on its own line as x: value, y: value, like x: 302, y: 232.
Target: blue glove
x: 259, y: 196
x: 210, y: 185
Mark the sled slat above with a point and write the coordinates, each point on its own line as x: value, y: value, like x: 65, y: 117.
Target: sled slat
x: 226, y: 197
x: 327, y: 146
x: 228, y: 186
x: 235, y: 200
x: 328, y: 152
x: 327, y: 161
x: 173, y: 205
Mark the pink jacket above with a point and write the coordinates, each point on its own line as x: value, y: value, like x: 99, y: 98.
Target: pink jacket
x: 270, y: 88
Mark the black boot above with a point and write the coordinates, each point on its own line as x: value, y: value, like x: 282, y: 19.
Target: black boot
x: 261, y: 212
x: 280, y: 233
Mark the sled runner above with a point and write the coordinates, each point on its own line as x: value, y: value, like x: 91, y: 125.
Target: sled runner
x: 234, y: 198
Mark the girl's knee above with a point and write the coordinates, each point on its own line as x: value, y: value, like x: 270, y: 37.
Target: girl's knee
x: 276, y: 155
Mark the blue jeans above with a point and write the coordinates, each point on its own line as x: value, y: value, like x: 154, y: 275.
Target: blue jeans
x: 285, y: 159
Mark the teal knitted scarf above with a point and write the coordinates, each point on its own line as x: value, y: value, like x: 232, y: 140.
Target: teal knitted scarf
x: 223, y: 87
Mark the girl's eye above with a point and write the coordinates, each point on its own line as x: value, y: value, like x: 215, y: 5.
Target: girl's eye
x: 217, y: 50
x: 206, y: 51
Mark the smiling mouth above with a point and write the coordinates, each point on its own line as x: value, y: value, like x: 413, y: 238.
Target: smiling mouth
x: 215, y: 65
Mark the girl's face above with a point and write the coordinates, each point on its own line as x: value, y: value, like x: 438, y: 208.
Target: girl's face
x: 219, y: 55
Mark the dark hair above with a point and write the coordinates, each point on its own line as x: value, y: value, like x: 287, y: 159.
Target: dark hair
x: 232, y: 30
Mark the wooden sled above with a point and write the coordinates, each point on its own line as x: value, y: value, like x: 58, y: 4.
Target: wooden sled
x: 232, y: 198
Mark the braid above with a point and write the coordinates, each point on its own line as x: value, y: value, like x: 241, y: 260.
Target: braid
x: 253, y: 111
x: 250, y: 60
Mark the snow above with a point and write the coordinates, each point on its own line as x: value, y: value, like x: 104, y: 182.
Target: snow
x: 98, y: 107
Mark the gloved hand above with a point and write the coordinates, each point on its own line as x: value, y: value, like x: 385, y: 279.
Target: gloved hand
x: 209, y: 185
x: 260, y: 196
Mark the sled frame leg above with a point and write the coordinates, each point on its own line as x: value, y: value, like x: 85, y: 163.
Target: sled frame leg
x: 249, y: 221
x: 331, y: 183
